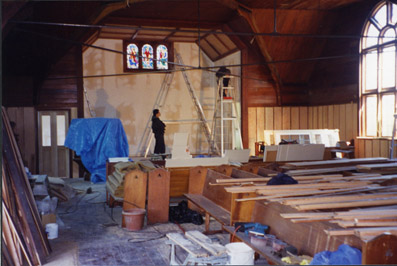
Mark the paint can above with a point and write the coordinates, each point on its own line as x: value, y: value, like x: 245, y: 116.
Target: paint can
x: 51, y: 230
x: 239, y: 253
x: 133, y: 219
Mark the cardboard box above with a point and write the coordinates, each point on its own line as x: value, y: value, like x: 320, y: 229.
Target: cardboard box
x: 48, y: 218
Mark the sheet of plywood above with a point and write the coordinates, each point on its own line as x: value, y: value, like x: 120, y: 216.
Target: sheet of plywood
x: 192, y: 162
x: 286, y: 124
x: 303, y: 118
x: 295, y: 117
x: 135, y: 187
x: 158, y: 196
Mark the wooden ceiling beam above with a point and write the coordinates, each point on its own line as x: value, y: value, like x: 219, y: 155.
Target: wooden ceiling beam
x: 263, y: 48
x: 160, y: 22
x: 170, y: 35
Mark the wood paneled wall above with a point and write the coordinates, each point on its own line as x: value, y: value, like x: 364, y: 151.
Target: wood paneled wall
x: 366, y: 147
x: 25, y: 128
x: 340, y: 116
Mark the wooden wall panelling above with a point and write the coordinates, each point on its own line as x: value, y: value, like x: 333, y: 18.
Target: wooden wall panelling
x: 349, y: 121
x: 355, y: 120
x: 158, y: 196
x: 286, y: 118
x: 375, y: 148
x: 384, y: 148
x: 325, y: 117
x: 252, y: 129
x: 361, y: 148
x: 260, y: 123
x: 269, y: 118
x: 278, y: 118
x: 336, y: 116
x: 295, y: 117
x: 303, y: 117
x: 310, y: 117
x: 368, y: 148
x: 342, y: 122
x: 330, y: 117
x: 315, y: 117
x: 179, y: 181
x: 320, y: 116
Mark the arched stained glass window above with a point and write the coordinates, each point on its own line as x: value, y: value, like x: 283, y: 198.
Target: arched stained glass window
x: 147, y: 56
x: 132, y: 56
x: 378, y: 72
x: 162, y: 57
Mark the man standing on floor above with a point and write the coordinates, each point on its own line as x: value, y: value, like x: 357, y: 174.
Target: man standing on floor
x: 158, y: 128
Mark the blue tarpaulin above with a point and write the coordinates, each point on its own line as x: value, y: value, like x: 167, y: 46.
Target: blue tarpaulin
x: 95, y: 140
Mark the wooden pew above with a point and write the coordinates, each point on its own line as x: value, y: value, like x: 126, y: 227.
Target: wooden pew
x: 214, y: 201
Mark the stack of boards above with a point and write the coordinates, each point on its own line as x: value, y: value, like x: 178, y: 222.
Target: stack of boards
x: 115, y: 181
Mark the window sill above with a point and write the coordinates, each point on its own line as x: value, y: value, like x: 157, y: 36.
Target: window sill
x: 375, y: 138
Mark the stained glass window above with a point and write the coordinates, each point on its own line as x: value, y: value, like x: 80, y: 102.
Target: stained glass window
x: 378, y: 71
x: 162, y: 57
x: 147, y: 56
x: 132, y: 56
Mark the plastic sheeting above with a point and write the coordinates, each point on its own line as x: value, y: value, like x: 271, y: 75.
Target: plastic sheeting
x: 95, y: 140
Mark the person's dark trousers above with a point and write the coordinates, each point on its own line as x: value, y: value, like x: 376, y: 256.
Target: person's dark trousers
x: 160, y: 145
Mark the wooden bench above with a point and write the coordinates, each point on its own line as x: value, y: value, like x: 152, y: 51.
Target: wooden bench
x: 214, y: 201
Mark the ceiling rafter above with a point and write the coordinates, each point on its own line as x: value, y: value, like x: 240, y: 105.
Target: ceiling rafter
x: 262, y: 45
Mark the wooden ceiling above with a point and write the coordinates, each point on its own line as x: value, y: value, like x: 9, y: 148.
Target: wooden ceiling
x: 31, y: 49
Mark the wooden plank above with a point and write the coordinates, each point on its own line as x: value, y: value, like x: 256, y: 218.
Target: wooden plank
x: 242, y: 180
x: 205, y: 242
x: 158, y: 196
x: 295, y: 117
x: 260, y: 123
x: 321, y: 170
x: 303, y: 117
x: 366, y: 223
x: 278, y: 118
x: 310, y: 118
x: 342, y: 122
x: 286, y: 124
x: 360, y: 203
x: 375, y: 147
x: 269, y: 115
x: 377, y: 166
x: 319, y: 164
x: 264, y: 189
x: 240, y: 174
x: 135, y: 187
x: 187, y: 245
x: 312, y: 200
x: 215, y: 193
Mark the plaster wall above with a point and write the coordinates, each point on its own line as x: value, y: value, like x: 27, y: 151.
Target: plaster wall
x: 131, y: 97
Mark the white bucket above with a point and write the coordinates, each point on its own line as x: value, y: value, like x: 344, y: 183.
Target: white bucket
x: 240, y: 253
x: 51, y: 230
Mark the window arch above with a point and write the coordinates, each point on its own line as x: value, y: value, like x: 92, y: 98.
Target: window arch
x: 378, y: 71
x: 147, y: 56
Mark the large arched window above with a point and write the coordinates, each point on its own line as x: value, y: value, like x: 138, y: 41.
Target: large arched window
x: 378, y: 72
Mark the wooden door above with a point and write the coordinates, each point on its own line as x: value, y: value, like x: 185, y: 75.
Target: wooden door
x: 54, y: 158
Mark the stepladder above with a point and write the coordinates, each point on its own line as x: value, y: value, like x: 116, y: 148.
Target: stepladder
x: 226, y: 131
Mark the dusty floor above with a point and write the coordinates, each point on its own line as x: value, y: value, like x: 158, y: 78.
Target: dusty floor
x: 90, y: 234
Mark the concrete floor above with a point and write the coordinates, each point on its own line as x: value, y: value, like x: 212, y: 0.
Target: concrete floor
x: 88, y: 235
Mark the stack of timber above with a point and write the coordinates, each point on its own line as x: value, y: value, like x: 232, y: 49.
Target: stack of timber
x: 24, y: 241
x: 115, y: 181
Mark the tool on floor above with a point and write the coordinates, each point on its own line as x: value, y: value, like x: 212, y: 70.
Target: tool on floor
x: 251, y: 228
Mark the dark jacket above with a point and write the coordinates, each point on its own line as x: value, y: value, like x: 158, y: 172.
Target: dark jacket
x: 158, y: 126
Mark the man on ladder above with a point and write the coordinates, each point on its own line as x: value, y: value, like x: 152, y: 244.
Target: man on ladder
x: 223, y: 71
